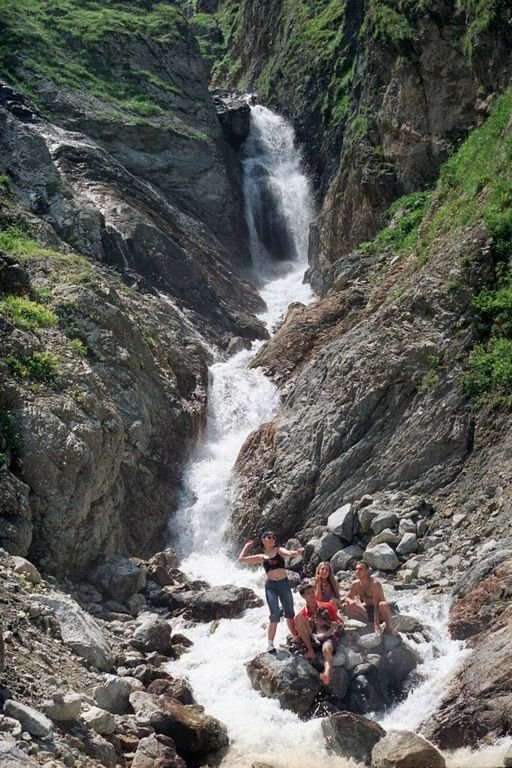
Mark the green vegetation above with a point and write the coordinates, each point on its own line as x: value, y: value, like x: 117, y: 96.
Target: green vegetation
x: 38, y: 366
x: 475, y: 187
x: 431, y: 377
x: 77, y: 43
x: 9, y: 436
x: 310, y: 62
x: 26, y: 314
x: 385, y: 22
x: 489, y: 376
x: 404, y: 218
x: 480, y: 15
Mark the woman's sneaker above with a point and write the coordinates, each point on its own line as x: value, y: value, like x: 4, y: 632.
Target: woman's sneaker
x: 270, y: 648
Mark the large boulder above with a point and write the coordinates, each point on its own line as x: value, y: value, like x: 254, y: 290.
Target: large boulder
x: 352, y: 736
x: 12, y: 757
x: 381, y: 557
x: 79, y: 631
x: 343, y: 522
x: 63, y: 707
x: 290, y: 679
x: 113, y: 694
x: 31, y: 720
x: 117, y: 577
x: 152, y: 634
x: 157, y: 751
x: 342, y: 560
x: 403, y: 749
x: 478, y: 702
x: 223, y: 602
x: 187, y: 725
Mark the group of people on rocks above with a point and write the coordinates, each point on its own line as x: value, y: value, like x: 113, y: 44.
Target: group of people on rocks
x: 318, y: 624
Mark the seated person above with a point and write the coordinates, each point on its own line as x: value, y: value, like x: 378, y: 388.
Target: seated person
x: 327, y: 589
x: 365, y: 601
x: 318, y: 625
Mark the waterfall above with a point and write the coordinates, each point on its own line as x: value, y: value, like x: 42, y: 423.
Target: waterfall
x: 279, y: 209
x: 277, y: 195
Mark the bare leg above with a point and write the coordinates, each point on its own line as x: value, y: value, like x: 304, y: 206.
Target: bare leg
x: 304, y: 631
x: 271, y: 632
x: 325, y: 677
x: 292, y: 627
x: 385, y: 615
x: 355, y: 610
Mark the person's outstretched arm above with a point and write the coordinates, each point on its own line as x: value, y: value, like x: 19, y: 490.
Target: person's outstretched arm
x: 290, y: 552
x: 243, y: 557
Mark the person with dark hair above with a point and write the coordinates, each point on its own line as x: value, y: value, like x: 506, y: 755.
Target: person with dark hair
x: 277, y: 586
x: 318, y: 626
x: 365, y: 601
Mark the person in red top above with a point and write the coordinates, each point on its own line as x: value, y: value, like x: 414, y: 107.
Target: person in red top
x: 318, y: 624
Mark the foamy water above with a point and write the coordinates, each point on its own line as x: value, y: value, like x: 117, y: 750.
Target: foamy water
x: 239, y: 401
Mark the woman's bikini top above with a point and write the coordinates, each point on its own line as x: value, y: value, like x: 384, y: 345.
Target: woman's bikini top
x: 327, y: 592
x: 273, y: 563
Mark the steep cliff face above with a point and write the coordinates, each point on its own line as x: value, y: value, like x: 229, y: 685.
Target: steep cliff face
x: 376, y: 375
x: 110, y: 153
x: 381, y: 93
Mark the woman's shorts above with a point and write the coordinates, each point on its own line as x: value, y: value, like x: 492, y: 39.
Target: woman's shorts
x: 279, y: 592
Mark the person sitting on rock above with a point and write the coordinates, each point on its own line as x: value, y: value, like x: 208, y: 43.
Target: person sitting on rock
x: 365, y: 601
x: 318, y: 626
x: 327, y: 589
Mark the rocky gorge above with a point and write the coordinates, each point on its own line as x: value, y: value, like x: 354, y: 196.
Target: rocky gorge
x: 125, y: 270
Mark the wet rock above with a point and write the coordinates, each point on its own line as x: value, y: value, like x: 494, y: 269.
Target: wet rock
x: 351, y: 736
x: 160, y: 566
x: 369, y: 690
x: 339, y: 683
x: 223, y: 602
x: 403, y: 749
x: 174, y: 688
x: 409, y: 624
x: 370, y: 641
x: 290, y: 679
x: 237, y: 344
x: 478, y: 702
x: 400, y: 661
x: 234, y: 114
x: 191, y: 729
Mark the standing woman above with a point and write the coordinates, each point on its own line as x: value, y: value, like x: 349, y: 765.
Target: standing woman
x: 326, y: 585
x: 277, y: 586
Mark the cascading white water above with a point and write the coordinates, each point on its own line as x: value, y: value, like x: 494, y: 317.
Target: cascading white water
x: 241, y: 399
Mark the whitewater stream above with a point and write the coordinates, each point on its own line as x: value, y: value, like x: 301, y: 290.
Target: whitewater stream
x: 240, y: 400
